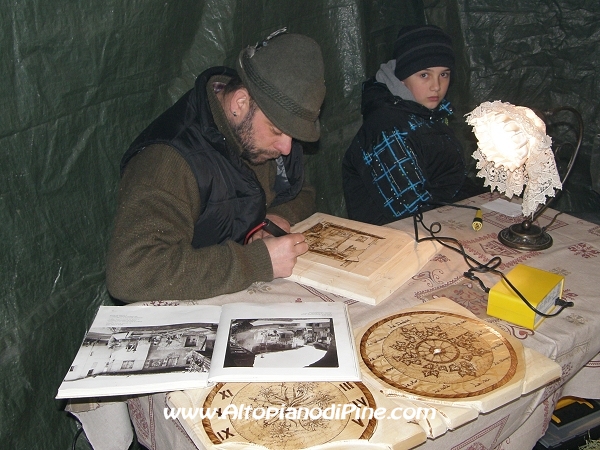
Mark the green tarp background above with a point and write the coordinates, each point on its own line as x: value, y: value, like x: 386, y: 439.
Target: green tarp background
x: 80, y: 79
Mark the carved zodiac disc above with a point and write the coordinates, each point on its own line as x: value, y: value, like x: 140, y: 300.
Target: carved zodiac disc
x: 440, y: 355
x: 299, y: 418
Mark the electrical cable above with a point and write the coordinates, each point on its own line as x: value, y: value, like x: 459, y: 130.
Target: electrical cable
x: 269, y: 226
x: 474, y: 265
x: 76, y: 436
x: 254, y: 230
x: 552, y: 221
x: 477, y: 223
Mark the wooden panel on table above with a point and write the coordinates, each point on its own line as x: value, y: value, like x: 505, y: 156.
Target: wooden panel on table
x: 283, y: 432
x: 357, y: 260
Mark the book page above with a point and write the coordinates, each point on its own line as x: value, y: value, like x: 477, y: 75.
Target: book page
x: 285, y: 342
x: 143, y: 349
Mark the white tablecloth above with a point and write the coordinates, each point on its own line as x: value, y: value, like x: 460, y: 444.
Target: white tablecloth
x: 572, y: 339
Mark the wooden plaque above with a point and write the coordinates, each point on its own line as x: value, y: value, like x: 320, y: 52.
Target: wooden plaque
x: 442, y: 358
x: 284, y: 432
x: 360, y: 261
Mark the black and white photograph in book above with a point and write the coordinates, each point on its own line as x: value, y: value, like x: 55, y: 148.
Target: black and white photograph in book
x: 144, y: 350
x: 282, y: 343
x: 147, y: 349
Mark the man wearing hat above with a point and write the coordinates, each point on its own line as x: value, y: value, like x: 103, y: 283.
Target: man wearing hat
x: 210, y: 169
x: 405, y: 155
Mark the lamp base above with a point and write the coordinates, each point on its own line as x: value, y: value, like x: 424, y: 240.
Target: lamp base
x: 525, y: 236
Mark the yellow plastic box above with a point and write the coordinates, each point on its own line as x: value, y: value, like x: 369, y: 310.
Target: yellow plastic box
x: 539, y: 287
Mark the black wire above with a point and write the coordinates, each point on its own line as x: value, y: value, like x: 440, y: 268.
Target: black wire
x: 552, y: 221
x: 74, y: 444
x: 453, y: 204
x: 477, y: 267
x: 488, y: 267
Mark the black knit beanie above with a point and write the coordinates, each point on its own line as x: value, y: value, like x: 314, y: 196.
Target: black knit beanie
x: 284, y: 75
x: 419, y: 47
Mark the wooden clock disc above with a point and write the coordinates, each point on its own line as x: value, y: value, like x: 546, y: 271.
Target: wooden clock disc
x: 440, y: 355
x: 288, y: 430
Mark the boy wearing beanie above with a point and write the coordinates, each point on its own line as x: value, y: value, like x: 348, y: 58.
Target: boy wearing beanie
x: 209, y: 170
x: 405, y: 155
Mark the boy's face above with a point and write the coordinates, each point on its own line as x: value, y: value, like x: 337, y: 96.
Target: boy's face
x: 429, y: 86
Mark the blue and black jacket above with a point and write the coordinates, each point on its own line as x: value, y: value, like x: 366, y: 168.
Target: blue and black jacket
x: 403, y: 156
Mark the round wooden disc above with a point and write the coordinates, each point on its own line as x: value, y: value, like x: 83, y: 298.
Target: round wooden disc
x: 440, y: 355
x: 286, y: 431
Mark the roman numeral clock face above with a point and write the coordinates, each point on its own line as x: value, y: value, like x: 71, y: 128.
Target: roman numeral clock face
x: 290, y: 415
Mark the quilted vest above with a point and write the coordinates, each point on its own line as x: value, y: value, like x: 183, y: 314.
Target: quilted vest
x: 232, y: 200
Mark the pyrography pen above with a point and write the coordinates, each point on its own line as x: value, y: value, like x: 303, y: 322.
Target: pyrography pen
x: 272, y: 229
x: 269, y: 227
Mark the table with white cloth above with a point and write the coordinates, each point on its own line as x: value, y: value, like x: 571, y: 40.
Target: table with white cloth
x: 571, y: 339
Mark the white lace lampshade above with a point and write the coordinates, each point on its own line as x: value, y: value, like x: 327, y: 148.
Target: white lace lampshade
x: 514, y: 154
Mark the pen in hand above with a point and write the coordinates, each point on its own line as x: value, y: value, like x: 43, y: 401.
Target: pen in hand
x: 269, y: 227
x: 273, y: 229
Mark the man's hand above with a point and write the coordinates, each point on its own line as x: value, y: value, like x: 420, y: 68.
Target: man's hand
x: 284, y: 251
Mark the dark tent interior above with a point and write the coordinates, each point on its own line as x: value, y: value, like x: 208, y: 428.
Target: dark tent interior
x: 82, y: 79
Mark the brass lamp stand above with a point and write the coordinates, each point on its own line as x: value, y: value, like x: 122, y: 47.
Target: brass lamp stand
x: 525, y: 236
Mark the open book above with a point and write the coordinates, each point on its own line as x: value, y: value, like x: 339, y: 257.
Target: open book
x: 144, y: 349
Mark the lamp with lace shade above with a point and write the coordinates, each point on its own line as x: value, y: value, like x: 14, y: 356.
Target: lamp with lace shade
x: 514, y: 156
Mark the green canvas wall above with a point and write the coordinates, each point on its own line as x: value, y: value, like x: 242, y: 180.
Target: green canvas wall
x: 81, y: 79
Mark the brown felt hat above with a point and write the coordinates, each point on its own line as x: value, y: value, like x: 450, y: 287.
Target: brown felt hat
x: 284, y: 74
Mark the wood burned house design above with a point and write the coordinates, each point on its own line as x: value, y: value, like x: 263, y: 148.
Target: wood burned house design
x: 339, y: 242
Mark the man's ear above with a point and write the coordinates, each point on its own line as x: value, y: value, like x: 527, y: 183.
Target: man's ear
x: 239, y: 102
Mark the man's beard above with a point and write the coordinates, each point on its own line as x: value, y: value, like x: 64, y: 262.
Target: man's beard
x: 245, y: 134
